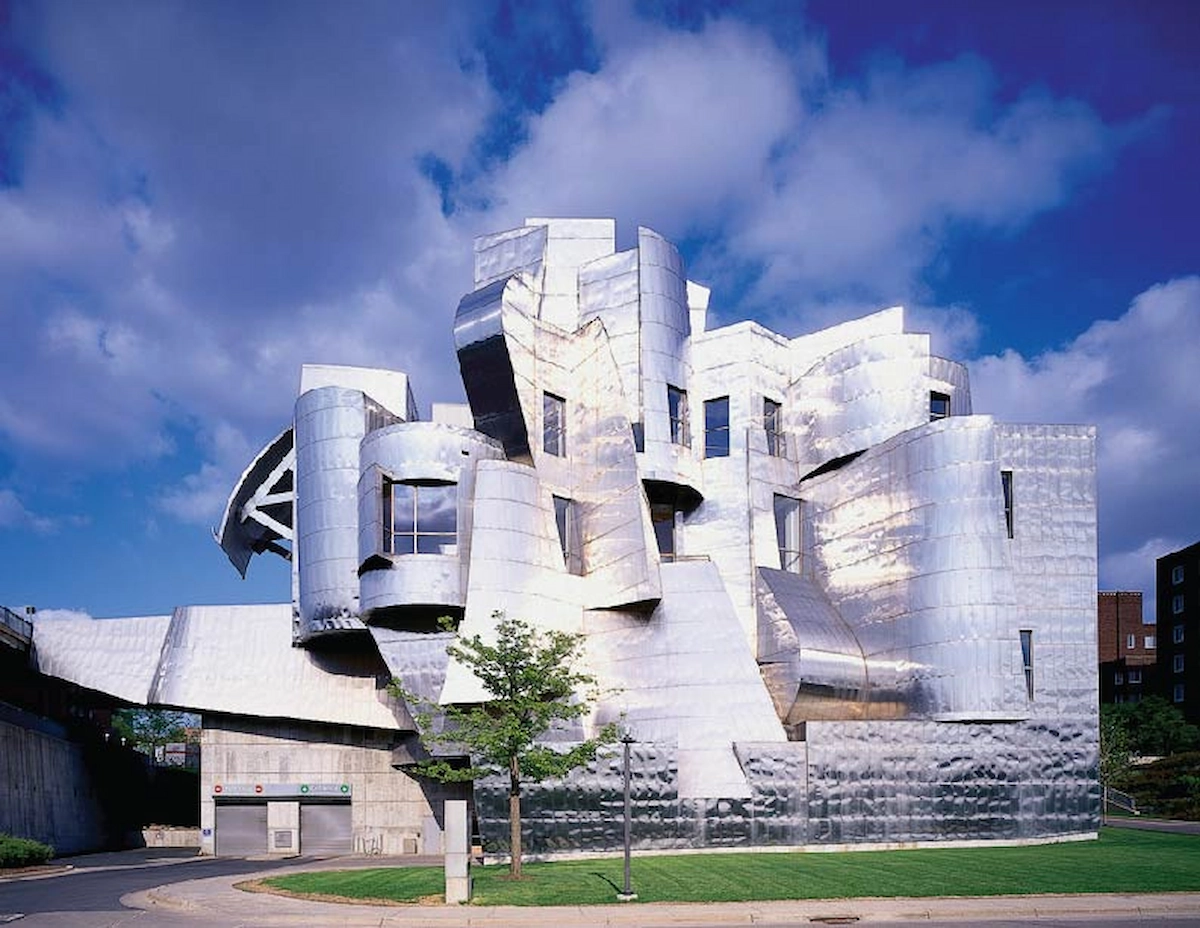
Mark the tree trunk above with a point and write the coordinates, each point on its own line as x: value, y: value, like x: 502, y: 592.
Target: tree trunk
x: 514, y: 819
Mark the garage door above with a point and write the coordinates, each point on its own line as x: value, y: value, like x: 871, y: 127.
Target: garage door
x: 242, y: 830
x: 325, y: 828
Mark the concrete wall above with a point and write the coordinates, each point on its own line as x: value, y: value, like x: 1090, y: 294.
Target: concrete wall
x: 392, y: 813
x: 47, y: 792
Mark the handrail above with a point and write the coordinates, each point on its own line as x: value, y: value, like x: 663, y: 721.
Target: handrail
x: 23, y: 627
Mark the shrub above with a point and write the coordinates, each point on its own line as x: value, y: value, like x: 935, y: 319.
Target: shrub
x: 23, y: 852
x: 1168, y: 787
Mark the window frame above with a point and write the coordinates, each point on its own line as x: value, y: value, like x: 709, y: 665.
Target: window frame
x: 416, y: 518
x: 657, y: 511
x: 1006, y: 490
x: 789, y: 532
x: 570, y: 538
x: 1027, y: 660
x: 714, y: 446
x: 1177, y: 604
x: 772, y: 422
x: 1177, y: 664
x: 1177, y: 634
x: 1177, y: 693
x: 554, y: 424
x: 1131, y: 642
x: 1177, y: 575
x: 677, y: 416
x: 937, y: 398
x: 1134, y: 675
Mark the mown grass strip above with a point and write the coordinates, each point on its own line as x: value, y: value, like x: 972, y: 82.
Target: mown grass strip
x: 1121, y: 861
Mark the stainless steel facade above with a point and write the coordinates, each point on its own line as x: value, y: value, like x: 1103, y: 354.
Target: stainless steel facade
x: 853, y: 611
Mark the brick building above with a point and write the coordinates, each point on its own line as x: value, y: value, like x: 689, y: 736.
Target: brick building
x: 1127, y: 652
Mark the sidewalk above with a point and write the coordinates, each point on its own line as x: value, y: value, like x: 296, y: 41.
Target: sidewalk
x: 216, y: 897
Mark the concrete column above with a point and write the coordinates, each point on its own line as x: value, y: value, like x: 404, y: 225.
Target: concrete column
x: 457, y: 836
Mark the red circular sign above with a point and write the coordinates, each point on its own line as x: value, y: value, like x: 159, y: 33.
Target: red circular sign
x: 218, y: 788
x: 258, y: 787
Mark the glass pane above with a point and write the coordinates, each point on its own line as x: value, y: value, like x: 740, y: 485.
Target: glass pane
x: 437, y: 544
x: 662, y: 515
x: 403, y: 543
x: 787, y: 532
x: 554, y: 424
x: 716, y: 428
x: 561, y: 506
x: 437, y: 510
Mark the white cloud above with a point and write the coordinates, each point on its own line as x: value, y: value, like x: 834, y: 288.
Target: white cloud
x: 13, y: 514
x: 1135, y: 377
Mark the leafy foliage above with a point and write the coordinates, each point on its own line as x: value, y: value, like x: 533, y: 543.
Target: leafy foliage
x: 1115, y: 746
x: 534, y: 686
x: 1169, y: 787
x: 23, y: 852
x: 147, y: 729
x: 1154, y: 727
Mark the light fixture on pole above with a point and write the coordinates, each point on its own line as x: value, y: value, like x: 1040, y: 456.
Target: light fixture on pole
x: 628, y: 895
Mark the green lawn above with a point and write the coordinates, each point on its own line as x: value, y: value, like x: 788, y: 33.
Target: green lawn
x: 1121, y: 861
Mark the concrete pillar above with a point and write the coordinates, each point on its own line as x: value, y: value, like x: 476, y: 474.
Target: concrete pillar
x: 457, y: 837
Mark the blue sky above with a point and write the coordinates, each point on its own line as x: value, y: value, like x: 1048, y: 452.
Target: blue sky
x: 196, y: 198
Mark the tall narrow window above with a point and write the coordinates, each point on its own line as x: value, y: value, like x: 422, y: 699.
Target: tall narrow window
x: 1006, y: 483
x: 1177, y: 693
x: 1177, y: 573
x: 677, y: 409
x: 1130, y: 642
x: 1027, y: 660
x: 566, y: 516
x: 662, y: 517
x: 716, y: 428
x: 939, y: 406
x: 1177, y: 634
x: 420, y: 517
x: 787, y: 532
x: 1177, y: 663
x: 773, y: 426
x: 554, y: 425
x: 1177, y: 603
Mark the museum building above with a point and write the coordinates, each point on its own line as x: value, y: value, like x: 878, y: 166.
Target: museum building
x: 830, y: 603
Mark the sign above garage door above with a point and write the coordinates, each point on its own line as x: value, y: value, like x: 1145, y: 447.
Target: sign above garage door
x: 281, y: 790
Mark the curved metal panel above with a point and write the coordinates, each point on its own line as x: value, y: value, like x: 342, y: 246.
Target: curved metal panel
x: 416, y: 451
x: 241, y: 537
x: 330, y: 422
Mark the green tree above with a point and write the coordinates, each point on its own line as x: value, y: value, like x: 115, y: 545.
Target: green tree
x: 534, y: 685
x: 147, y: 730
x: 1157, y: 728
x: 1115, y: 745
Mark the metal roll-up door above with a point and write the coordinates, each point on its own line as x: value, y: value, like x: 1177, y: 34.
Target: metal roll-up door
x: 241, y: 830
x: 325, y: 828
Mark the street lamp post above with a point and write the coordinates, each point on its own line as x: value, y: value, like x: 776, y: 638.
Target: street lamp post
x: 628, y: 895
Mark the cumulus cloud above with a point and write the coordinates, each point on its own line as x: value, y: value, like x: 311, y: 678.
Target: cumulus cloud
x: 1134, y: 377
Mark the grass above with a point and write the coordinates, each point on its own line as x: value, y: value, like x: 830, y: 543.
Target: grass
x: 1121, y: 861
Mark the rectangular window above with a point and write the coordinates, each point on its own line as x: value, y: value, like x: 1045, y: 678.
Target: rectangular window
x: 1177, y: 573
x: 1177, y: 634
x: 716, y: 428
x: 1006, y: 484
x: 554, y: 425
x: 1027, y: 660
x: 1177, y: 603
x: 677, y: 409
x: 1151, y: 643
x: 1118, y: 678
x: 788, y: 532
x: 420, y: 517
x: 566, y: 517
x: 1178, y: 663
x: 1135, y: 676
x: 773, y: 426
x: 376, y: 417
x: 639, y: 436
x: 1177, y: 693
x: 662, y: 517
x: 939, y: 406
x: 1131, y: 642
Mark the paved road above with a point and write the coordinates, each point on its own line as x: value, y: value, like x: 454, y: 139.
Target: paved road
x: 1155, y: 824
x: 167, y: 889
